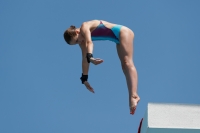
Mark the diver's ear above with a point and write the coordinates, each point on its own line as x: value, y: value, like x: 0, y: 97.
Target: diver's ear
x: 77, y: 31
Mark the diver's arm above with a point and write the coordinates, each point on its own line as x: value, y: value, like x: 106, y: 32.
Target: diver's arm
x: 85, y: 31
x: 85, y: 64
x: 85, y: 69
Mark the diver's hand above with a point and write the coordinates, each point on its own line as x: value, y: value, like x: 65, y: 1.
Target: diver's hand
x: 96, y: 61
x: 87, y: 85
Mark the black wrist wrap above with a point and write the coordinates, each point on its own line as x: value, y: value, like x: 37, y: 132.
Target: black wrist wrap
x: 88, y: 56
x: 84, y: 78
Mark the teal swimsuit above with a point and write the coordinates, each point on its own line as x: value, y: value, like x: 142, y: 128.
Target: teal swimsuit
x: 104, y: 33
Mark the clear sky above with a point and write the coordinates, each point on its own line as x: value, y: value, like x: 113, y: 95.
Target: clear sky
x: 40, y: 87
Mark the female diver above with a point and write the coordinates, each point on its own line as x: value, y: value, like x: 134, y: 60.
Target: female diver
x: 102, y: 30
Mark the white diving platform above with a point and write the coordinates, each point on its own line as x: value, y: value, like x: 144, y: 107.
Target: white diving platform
x: 171, y: 118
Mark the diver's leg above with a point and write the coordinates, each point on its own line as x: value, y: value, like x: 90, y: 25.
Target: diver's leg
x: 125, y: 53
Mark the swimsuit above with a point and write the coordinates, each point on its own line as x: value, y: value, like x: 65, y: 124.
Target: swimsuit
x: 104, y: 33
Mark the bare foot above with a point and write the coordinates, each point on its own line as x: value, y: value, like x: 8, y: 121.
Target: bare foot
x: 133, y: 101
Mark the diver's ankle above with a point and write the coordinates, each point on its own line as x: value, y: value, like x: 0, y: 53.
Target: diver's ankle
x: 135, y: 95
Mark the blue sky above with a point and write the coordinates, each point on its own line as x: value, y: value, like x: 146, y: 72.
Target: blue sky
x: 40, y: 89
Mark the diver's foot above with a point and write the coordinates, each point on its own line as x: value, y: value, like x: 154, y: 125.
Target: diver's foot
x: 133, y: 101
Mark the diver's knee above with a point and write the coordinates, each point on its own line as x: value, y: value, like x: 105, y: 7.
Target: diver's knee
x: 126, y: 64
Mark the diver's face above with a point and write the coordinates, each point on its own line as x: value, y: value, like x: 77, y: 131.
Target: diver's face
x: 74, y: 40
x: 77, y: 39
